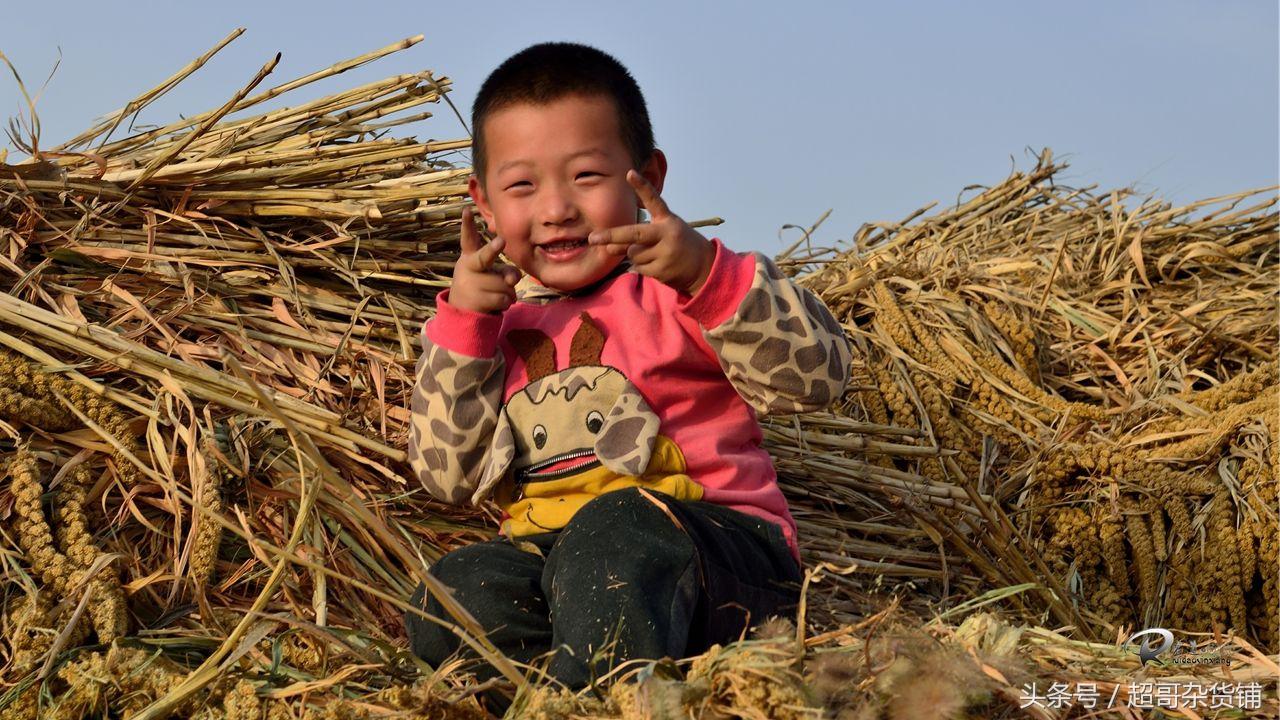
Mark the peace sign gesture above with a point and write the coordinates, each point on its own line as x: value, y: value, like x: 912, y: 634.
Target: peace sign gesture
x: 480, y: 284
x: 666, y: 248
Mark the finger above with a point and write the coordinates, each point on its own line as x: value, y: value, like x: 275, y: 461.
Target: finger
x: 500, y: 298
x: 483, y: 258
x: 648, y: 194
x: 470, y: 236
x: 491, y: 281
x: 642, y: 233
x: 641, y: 255
x: 510, y: 274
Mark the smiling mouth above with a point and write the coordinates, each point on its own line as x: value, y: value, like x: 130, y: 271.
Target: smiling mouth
x: 562, y: 245
x: 558, y: 466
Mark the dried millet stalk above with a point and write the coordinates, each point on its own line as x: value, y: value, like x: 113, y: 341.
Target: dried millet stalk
x: 1020, y: 334
x: 121, y: 680
x: 64, y: 571
x: 107, y: 606
x: 1222, y: 426
x: 1179, y: 516
x: 1047, y: 406
x: 1143, y: 557
x: 1159, y: 542
x: 28, y: 397
x: 1111, y: 535
x: 204, y: 549
x: 1108, y: 602
x: 931, y: 353
x: 1247, y: 552
x: 303, y: 652
x: 1180, y: 594
x: 34, y: 534
x: 1268, y: 552
x: 890, y: 318
x: 31, y: 397
x: 1241, y: 388
x: 894, y: 397
x: 1229, y: 596
x: 41, y: 390
x: 16, y: 406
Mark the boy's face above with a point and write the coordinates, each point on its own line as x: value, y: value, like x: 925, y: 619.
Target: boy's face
x: 555, y: 173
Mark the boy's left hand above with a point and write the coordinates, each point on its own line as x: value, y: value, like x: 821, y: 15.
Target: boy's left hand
x: 666, y: 248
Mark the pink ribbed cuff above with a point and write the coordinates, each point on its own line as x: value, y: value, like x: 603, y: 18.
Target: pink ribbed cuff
x: 727, y: 283
x: 463, y: 331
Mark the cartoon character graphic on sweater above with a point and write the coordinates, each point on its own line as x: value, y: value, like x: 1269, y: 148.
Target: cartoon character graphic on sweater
x: 572, y: 434
x: 705, y: 368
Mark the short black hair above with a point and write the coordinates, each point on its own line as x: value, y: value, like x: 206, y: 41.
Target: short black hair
x: 546, y: 72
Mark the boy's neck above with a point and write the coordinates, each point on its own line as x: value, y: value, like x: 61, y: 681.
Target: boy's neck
x: 531, y: 291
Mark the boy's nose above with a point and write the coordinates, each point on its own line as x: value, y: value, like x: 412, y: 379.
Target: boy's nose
x: 558, y: 207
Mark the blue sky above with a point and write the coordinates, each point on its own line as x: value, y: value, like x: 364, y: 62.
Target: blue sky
x: 770, y: 113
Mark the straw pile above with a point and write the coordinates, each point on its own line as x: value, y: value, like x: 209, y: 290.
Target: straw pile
x: 211, y: 329
x: 1101, y: 382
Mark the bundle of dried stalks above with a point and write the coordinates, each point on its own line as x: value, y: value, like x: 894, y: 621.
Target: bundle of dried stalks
x: 1092, y: 382
x: 213, y: 326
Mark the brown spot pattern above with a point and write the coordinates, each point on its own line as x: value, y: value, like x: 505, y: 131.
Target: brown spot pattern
x: 501, y: 454
x: 630, y: 432
x: 620, y: 440
x: 755, y: 306
x: 773, y: 352
x: 742, y: 337
x: 782, y: 349
x: 810, y: 357
x: 790, y: 325
x: 454, y: 409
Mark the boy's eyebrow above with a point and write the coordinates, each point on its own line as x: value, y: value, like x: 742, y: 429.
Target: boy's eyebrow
x: 588, y: 151
x: 580, y: 153
x: 511, y: 163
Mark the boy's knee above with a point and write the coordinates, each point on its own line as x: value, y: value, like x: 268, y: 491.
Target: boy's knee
x: 458, y: 567
x: 456, y: 570
x: 622, y: 511
x: 628, y: 524
x: 461, y: 571
x: 425, y: 638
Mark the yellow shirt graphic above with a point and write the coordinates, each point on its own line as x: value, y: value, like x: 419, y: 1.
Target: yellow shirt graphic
x: 548, y: 505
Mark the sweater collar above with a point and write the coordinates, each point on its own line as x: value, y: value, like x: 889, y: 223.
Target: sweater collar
x: 530, y: 290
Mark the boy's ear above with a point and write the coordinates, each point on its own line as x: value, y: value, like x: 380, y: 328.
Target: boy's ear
x: 476, y: 189
x: 655, y: 170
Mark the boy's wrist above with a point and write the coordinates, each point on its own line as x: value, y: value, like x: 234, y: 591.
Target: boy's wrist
x: 721, y: 292
x: 461, y: 330
x: 706, y: 258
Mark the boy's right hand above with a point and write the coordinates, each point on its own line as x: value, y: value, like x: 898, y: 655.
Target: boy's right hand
x: 480, y: 284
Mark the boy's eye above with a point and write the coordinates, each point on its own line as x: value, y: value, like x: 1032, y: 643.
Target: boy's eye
x: 521, y: 183
x: 588, y: 173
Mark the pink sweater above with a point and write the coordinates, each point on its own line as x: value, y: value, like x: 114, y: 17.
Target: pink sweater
x: 748, y: 342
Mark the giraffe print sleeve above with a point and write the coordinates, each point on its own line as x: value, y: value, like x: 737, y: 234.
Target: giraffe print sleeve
x: 781, y: 348
x: 454, y: 412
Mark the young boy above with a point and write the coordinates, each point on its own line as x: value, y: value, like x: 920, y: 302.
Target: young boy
x: 608, y: 401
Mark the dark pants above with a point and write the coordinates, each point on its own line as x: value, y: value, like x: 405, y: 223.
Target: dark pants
x: 620, y: 569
